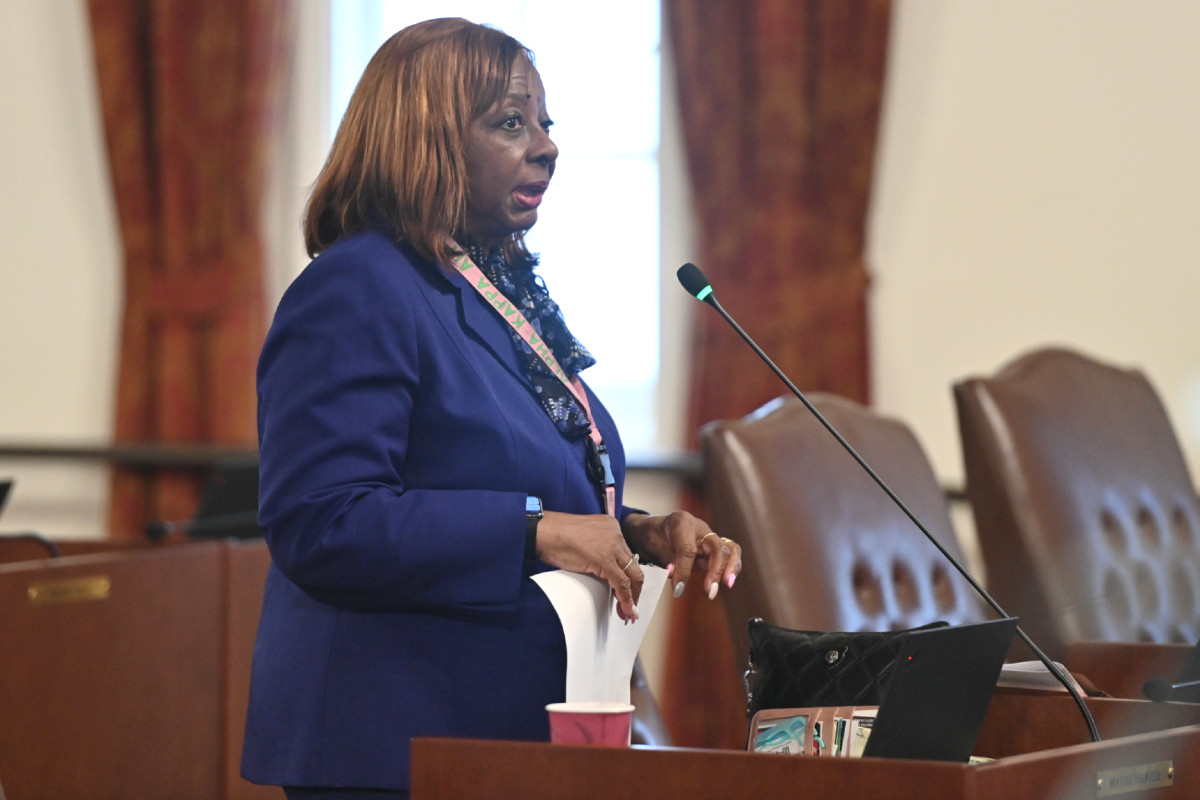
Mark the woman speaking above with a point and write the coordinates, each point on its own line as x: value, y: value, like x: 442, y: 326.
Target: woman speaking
x: 426, y: 442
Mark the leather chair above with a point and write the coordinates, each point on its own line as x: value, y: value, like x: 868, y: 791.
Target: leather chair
x: 824, y: 548
x: 1086, y: 515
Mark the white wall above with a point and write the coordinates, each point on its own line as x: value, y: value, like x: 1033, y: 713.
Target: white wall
x: 60, y: 279
x: 1036, y: 183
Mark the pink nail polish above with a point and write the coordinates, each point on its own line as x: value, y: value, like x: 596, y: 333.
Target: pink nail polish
x: 671, y: 570
x: 729, y: 581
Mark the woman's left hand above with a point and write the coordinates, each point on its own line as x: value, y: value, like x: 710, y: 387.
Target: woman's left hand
x: 683, y: 543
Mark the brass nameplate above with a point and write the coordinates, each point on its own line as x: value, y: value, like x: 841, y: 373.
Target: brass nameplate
x: 1112, y: 782
x: 70, y: 590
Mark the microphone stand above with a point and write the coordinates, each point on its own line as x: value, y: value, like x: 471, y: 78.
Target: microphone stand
x: 697, y: 285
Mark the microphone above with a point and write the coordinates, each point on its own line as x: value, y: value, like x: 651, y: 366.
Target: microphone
x: 1160, y: 690
x: 694, y: 281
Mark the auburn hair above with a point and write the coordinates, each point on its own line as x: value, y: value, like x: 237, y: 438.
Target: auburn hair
x: 398, y: 159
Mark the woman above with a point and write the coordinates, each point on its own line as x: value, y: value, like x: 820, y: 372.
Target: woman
x: 426, y: 444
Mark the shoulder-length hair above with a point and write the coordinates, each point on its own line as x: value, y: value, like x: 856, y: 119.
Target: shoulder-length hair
x: 398, y: 161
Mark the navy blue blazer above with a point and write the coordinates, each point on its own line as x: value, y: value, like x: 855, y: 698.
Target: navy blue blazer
x: 398, y: 440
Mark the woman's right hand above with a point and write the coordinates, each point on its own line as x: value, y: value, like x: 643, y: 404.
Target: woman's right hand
x: 593, y: 544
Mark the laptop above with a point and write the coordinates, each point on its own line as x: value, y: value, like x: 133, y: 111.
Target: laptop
x: 939, y: 692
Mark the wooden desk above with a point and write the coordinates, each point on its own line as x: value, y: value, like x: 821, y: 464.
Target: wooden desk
x: 125, y: 674
x: 1121, y: 668
x: 458, y: 768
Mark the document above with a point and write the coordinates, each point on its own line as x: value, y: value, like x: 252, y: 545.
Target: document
x: 601, y: 648
x: 860, y: 730
x: 1034, y: 675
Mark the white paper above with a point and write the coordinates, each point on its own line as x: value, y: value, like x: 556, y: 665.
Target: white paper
x: 601, y: 648
x: 1034, y: 675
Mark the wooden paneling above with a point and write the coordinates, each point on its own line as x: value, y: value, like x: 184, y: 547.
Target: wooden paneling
x: 124, y: 674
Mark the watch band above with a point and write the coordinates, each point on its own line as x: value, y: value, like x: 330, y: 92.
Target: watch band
x: 533, y: 515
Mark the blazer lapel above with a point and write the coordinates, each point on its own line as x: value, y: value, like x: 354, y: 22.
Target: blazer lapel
x: 486, y: 324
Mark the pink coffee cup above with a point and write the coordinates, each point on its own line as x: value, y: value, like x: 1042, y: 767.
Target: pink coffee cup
x: 598, y: 723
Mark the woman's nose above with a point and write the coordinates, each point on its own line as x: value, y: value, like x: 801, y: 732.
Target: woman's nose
x: 543, y: 148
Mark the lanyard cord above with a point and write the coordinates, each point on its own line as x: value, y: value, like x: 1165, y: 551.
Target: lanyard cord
x: 598, y: 463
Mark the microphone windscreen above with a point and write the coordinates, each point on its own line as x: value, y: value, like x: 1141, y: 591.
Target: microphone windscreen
x: 1158, y: 690
x: 694, y: 281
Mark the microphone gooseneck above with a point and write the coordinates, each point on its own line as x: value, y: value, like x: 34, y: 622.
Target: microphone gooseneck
x: 693, y: 280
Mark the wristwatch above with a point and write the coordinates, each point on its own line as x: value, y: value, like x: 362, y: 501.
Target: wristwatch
x: 533, y: 515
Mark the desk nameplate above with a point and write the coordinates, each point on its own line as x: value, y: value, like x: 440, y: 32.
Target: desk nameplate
x: 1138, y: 778
x: 70, y: 590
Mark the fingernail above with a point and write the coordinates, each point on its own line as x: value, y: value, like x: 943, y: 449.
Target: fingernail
x: 729, y: 581
x: 679, y: 587
x: 671, y: 570
x: 712, y: 590
x: 636, y: 616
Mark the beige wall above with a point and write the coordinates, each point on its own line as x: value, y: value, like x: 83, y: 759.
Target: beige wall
x: 1036, y: 183
x: 59, y: 281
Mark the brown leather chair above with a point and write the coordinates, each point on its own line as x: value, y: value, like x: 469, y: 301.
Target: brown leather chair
x: 1086, y: 515
x: 824, y: 548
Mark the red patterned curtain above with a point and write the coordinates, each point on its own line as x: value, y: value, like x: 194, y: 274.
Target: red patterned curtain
x: 780, y: 103
x: 190, y: 92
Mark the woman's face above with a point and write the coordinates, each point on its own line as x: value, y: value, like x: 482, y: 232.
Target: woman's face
x: 510, y: 159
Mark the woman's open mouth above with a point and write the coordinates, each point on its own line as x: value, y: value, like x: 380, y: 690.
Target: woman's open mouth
x: 530, y: 195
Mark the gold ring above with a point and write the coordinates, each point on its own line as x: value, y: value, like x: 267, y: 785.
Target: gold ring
x: 705, y: 536
x: 632, y: 559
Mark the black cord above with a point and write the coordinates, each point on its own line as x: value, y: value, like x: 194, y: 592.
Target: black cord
x: 51, y: 548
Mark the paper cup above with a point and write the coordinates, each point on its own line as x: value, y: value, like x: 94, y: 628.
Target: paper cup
x: 595, y: 723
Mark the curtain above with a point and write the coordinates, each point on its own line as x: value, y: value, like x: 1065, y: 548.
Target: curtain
x: 780, y: 103
x: 190, y: 94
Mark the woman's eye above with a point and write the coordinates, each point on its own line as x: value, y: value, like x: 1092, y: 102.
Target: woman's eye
x: 547, y: 125
x: 512, y: 122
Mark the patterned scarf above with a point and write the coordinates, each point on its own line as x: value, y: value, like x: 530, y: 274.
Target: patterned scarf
x: 525, y: 290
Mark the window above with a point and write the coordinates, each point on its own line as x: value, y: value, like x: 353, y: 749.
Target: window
x: 598, y: 231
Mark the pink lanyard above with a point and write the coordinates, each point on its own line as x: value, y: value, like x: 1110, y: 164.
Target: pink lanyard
x: 599, y: 465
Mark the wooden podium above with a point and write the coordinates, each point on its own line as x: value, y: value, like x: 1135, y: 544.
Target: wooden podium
x: 1039, y: 740
x: 124, y: 671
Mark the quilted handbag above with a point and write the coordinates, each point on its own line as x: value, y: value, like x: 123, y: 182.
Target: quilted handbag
x: 799, y: 669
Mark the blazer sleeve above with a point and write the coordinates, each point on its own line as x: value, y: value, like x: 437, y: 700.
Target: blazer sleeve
x: 337, y: 379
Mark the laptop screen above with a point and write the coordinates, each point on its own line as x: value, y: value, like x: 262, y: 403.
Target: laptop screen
x: 940, y: 690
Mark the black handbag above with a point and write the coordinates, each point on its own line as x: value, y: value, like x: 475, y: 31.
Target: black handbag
x: 800, y: 669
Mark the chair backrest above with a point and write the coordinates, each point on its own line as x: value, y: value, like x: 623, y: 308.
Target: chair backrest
x: 1086, y: 515
x: 824, y: 547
